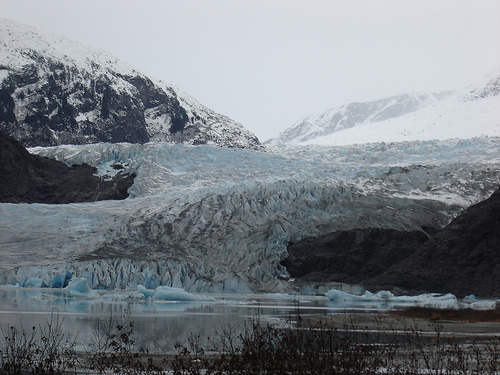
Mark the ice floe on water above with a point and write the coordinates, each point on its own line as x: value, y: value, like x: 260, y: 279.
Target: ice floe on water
x: 80, y: 288
x: 166, y: 293
x: 385, y: 298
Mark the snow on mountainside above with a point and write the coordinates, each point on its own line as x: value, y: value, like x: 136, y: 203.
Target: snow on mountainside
x: 57, y: 91
x: 472, y: 113
x: 219, y: 219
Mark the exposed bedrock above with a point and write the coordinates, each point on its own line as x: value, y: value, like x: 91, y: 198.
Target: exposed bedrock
x: 463, y: 258
x: 351, y: 256
x: 27, y: 178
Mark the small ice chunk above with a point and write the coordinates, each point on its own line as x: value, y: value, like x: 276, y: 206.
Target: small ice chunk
x: 79, y: 288
x: 337, y: 296
x: 383, y: 294
x: 147, y: 293
x: 167, y: 293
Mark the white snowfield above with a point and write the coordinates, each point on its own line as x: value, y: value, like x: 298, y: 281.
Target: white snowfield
x: 449, y: 118
x: 472, y: 112
x: 212, y: 219
x: 33, y: 41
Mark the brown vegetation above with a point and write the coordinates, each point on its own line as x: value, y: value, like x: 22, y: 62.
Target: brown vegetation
x: 293, y: 348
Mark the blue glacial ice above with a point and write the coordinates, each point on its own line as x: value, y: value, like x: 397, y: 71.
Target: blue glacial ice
x: 79, y: 287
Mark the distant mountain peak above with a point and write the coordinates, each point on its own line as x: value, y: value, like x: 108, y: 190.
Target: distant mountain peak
x: 490, y: 87
x: 56, y: 91
x: 472, y: 112
x: 356, y: 113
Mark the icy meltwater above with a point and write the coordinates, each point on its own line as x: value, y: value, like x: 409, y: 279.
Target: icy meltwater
x: 160, y: 323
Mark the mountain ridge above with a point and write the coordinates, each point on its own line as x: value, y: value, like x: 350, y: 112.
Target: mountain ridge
x: 57, y: 91
x: 350, y: 115
x: 464, y: 114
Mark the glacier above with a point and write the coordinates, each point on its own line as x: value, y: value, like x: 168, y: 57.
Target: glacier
x: 215, y: 219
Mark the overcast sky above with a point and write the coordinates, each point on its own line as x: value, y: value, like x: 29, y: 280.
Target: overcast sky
x: 270, y: 63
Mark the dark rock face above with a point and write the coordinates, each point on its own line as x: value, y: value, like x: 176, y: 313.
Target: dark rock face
x: 48, y: 114
x: 27, y: 178
x: 463, y: 258
x: 351, y: 256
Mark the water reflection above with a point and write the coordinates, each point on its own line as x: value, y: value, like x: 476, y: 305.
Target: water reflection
x: 158, y: 325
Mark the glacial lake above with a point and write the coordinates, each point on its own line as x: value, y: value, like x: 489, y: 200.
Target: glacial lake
x: 159, y: 324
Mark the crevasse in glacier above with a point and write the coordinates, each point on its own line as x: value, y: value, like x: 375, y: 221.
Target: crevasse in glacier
x: 210, y: 219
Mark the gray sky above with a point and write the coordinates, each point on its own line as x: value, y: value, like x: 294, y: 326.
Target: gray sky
x: 270, y: 63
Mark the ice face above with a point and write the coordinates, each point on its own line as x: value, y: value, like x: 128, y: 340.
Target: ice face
x: 217, y: 219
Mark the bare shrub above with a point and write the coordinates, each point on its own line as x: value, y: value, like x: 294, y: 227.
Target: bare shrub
x: 113, y: 349
x: 40, y: 351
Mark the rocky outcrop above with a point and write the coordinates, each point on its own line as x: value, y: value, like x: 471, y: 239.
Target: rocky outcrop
x: 350, y: 256
x: 28, y: 178
x: 55, y: 91
x: 463, y: 258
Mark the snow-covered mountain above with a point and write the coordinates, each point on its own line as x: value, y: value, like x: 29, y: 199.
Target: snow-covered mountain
x: 470, y: 113
x: 56, y: 91
x: 220, y: 219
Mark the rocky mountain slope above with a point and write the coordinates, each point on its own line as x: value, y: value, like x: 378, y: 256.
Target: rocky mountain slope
x: 28, y: 178
x: 463, y: 258
x: 472, y: 112
x: 351, y: 256
x: 56, y: 91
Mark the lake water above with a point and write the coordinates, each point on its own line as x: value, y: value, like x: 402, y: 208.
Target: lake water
x: 158, y: 325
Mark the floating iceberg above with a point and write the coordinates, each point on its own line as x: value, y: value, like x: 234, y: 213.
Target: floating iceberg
x: 145, y: 292
x: 386, y: 298
x: 166, y: 293
x: 80, y: 288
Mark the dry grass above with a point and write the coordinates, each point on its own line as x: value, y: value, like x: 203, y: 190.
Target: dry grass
x: 325, y: 348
